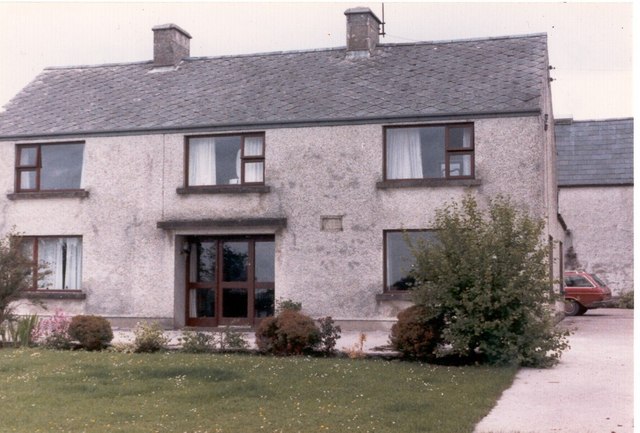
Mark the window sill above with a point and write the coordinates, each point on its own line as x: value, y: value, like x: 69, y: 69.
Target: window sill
x: 394, y: 296
x: 80, y: 193
x: 421, y: 183
x: 54, y: 294
x: 224, y: 189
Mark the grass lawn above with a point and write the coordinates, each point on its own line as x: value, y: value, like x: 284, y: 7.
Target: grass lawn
x: 50, y: 391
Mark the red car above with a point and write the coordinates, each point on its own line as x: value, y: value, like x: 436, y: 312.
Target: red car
x: 582, y: 292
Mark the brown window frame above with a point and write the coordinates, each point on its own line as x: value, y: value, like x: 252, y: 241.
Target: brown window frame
x: 37, y: 167
x: 244, y: 159
x: 34, y: 263
x: 385, y: 251
x: 448, y: 150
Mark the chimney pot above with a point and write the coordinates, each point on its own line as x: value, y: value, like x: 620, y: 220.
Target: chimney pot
x: 170, y: 45
x: 363, y: 31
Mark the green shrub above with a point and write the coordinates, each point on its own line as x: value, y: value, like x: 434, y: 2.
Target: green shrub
x: 287, y: 304
x: 149, y: 337
x: 230, y: 339
x: 486, y: 279
x: 19, y: 331
x: 197, y: 342
x: 329, y: 335
x: 625, y: 300
x: 414, y: 334
x: 288, y: 333
x: 92, y: 332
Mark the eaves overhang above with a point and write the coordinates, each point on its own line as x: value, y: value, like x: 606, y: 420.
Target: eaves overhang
x: 595, y: 185
x: 210, y: 223
x: 248, y: 126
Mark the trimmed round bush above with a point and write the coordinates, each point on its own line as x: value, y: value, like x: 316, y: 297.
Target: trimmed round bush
x: 288, y: 333
x: 93, y: 332
x: 415, y: 336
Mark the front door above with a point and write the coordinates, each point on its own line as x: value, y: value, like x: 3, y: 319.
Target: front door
x: 230, y: 280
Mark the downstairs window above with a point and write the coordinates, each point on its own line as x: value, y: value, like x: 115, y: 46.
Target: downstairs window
x: 398, y: 258
x: 61, y: 258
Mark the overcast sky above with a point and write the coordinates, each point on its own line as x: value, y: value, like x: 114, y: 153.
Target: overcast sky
x: 590, y: 44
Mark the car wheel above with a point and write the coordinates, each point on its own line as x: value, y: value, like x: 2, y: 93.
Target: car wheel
x: 572, y: 308
x: 582, y: 310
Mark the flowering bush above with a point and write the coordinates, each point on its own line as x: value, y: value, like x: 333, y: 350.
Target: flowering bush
x: 53, y: 332
x: 230, y: 339
x: 197, y: 342
x: 149, y: 337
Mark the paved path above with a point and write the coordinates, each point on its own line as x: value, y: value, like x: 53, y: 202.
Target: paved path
x: 589, y: 391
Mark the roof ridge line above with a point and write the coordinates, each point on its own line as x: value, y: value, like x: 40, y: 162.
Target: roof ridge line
x: 266, y: 53
x: 381, y: 45
x: 478, y: 39
x: 99, y: 65
x: 608, y: 119
x: 288, y: 52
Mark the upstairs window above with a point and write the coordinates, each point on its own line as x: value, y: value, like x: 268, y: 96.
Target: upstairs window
x: 49, y: 167
x: 429, y: 152
x: 225, y: 160
x: 62, y: 260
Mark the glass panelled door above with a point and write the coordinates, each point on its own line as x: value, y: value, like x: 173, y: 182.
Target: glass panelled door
x: 202, y: 277
x: 230, y: 280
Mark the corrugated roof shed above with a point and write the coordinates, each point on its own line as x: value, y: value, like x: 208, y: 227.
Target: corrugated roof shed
x: 399, y: 81
x: 595, y: 152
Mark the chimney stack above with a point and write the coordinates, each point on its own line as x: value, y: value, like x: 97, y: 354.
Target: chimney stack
x: 170, y: 45
x: 363, y: 30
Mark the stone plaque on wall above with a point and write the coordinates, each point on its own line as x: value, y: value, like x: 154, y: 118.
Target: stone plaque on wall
x: 331, y: 223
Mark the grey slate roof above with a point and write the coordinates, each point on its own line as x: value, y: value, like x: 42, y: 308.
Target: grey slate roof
x: 399, y: 81
x: 595, y: 152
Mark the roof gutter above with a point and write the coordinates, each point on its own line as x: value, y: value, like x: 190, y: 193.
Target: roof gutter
x: 277, y: 124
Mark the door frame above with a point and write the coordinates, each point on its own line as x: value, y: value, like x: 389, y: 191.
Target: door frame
x: 218, y: 285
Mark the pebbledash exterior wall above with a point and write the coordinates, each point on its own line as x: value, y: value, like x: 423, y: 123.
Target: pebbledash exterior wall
x: 600, y: 219
x: 133, y: 269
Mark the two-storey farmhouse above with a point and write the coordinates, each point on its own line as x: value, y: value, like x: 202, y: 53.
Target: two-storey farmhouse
x: 195, y: 191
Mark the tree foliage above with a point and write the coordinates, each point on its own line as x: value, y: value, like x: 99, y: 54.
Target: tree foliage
x: 486, y: 280
x: 15, y: 274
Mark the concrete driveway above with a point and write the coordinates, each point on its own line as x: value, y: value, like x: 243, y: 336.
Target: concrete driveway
x: 589, y: 391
